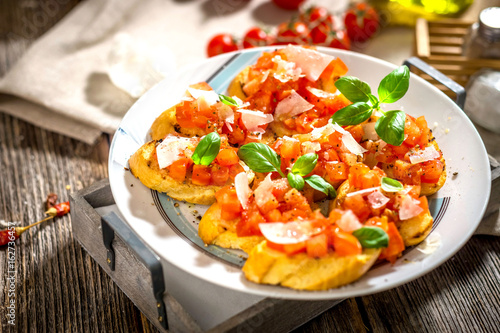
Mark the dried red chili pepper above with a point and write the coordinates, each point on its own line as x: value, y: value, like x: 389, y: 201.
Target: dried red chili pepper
x: 12, y: 234
x: 60, y: 209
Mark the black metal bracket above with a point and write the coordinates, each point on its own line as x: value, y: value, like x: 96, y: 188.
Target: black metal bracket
x: 111, y: 223
x: 440, y: 77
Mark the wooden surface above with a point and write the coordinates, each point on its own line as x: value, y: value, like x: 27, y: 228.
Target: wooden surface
x: 59, y: 288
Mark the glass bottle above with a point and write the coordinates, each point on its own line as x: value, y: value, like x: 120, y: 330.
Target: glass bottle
x: 483, y: 39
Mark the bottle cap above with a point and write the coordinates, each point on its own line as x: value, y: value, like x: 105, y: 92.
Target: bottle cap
x: 489, y: 23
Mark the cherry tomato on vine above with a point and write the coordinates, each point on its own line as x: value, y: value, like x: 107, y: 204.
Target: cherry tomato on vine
x: 293, y: 32
x: 361, y: 21
x: 319, y: 34
x: 338, y: 39
x: 314, y: 15
x: 255, y: 37
x: 221, y: 43
x: 288, y: 4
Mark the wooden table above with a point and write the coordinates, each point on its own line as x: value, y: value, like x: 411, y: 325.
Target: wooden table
x: 58, y: 287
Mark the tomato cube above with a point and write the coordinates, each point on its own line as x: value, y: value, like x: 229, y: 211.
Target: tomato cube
x: 227, y: 157
x: 201, y: 175
x: 178, y: 169
x: 345, y: 244
x: 317, y: 246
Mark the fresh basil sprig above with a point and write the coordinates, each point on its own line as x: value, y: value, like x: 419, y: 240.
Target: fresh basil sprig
x: 371, y: 237
x: 260, y: 158
x: 391, y: 185
x: 207, y: 149
x: 228, y: 100
x: 390, y: 126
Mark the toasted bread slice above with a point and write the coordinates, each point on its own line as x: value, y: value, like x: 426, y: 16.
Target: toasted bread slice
x: 268, y: 266
x: 235, y: 88
x: 144, y: 165
x: 413, y: 230
x: 213, y: 230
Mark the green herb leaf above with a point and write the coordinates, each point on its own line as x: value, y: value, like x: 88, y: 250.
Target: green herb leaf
x: 390, y: 127
x: 318, y: 183
x: 354, y: 89
x: 373, y: 100
x: 207, y: 149
x: 260, y: 158
x: 372, y: 237
x: 394, y: 85
x: 391, y: 185
x: 295, y: 181
x: 305, y: 164
x: 228, y: 100
x: 353, y: 114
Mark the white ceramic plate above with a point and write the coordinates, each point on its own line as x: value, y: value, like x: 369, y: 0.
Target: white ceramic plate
x: 169, y: 228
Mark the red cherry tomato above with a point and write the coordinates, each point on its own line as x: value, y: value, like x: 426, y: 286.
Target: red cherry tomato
x: 314, y: 16
x: 361, y: 22
x: 221, y: 43
x: 320, y: 33
x: 293, y: 32
x: 255, y: 37
x: 339, y: 40
x: 288, y: 4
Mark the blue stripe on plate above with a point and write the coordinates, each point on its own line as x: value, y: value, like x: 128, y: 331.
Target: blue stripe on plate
x: 219, y: 81
x: 187, y: 231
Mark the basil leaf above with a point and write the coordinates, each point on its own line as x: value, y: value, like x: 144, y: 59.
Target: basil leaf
x: 354, y: 89
x: 318, y: 183
x: 305, y: 164
x: 295, y: 181
x: 260, y: 158
x: 391, y: 185
x: 228, y: 100
x: 394, y: 85
x: 372, y: 237
x: 390, y: 127
x: 353, y: 114
x: 373, y: 100
x: 207, y: 149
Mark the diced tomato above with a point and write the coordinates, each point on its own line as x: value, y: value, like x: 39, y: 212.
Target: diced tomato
x: 235, y: 169
x: 356, y: 173
x: 337, y: 171
x: 227, y: 157
x: 356, y: 131
x: 248, y: 225
x: 335, y: 139
x: 345, y: 244
x: 229, y: 203
x: 407, y: 172
x: 376, y: 221
x: 178, y: 169
x: 399, y: 151
x: 396, y: 244
x: 331, y: 155
x: 289, y: 249
x: 303, y: 123
x: 273, y: 216
x: 424, y: 129
x: 358, y: 205
x: 424, y: 204
x: 220, y: 174
x: 412, y: 131
x: 280, y: 188
x: 296, y: 201
x: 201, y: 175
x: 431, y: 171
x: 293, y: 214
x: 290, y: 149
x: 317, y: 246
x: 184, y: 113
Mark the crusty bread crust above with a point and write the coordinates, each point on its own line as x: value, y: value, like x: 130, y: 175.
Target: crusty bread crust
x: 267, y: 266
x: 214, y: 231
x: 166, y: 124
x: 144, y: 165
x: 235, y: 88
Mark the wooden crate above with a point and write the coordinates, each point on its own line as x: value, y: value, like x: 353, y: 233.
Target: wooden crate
x: 439, y: 44
x: 128, y: 262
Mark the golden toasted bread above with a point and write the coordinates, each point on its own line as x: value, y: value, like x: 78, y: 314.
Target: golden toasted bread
x: 413, y: 230
x: 213, y: 230
x: 235, y: 88
x: 268, y: 266
x: 144, y: 165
